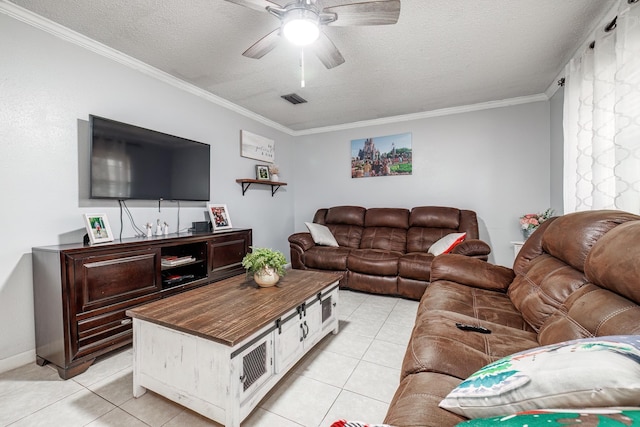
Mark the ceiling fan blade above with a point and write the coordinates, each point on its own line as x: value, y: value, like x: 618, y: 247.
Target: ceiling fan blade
x: 264, y: 45
x: 327, y: 52
x: 384, y: 12
x: 254, y: 4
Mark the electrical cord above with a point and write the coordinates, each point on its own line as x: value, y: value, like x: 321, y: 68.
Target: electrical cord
x: 133, y: 224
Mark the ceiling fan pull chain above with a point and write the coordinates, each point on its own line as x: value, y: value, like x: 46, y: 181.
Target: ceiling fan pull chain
x: 302, y: 84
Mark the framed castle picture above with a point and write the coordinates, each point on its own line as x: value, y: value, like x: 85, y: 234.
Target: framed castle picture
x: 381, y: 156
x: 98, y: 228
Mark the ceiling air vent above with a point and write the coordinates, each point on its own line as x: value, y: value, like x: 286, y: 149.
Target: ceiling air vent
x: 294, y: 98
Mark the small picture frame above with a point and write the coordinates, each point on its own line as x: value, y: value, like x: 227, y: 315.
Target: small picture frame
x: 98, y: 228
x: 262, y: 173
x: 219, y: 215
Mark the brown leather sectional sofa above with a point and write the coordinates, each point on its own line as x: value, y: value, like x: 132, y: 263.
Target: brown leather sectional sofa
x: 577, y: 276
x: 385, y: 250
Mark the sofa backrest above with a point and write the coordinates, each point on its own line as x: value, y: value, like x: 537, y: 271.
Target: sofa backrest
x: 428, y: 224
x: 386, y: 229
x: 345, y: 222
x: 396, y: 229
x: 577, y: 276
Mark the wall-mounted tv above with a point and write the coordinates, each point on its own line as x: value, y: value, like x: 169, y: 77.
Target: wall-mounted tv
x: 130, y: 162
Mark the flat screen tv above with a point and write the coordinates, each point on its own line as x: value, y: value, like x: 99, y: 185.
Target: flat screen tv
x: 130, y: 162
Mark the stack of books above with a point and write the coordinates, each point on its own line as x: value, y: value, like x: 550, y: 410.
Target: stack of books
x: 172, y: 261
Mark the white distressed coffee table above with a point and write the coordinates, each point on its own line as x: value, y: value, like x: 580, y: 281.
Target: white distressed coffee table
x: 219, y: 349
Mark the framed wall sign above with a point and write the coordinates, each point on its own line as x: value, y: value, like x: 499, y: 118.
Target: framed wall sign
x: 219, y: 215
x: 257, y: 147
x: 98, y: 228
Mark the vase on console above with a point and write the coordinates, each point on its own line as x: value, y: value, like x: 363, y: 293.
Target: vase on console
x: 266, y: 277
x: 526, y: 232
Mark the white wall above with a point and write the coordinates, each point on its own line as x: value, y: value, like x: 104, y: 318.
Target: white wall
x: 49, y: 87
x: 494, y: 161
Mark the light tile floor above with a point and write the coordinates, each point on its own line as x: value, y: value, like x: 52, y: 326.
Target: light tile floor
x: 351, y: 375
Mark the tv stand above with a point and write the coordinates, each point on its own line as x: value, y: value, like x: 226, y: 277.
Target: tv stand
x: 81, y: 292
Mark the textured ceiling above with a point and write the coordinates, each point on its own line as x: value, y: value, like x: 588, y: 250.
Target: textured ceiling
x: 440, y: 54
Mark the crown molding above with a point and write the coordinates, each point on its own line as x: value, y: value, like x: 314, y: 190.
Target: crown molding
x: 83, y: 41
x: 427, y: 114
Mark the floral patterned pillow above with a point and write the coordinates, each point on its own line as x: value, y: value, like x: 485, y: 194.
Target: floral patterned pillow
x: 551, y: 418
x: 587, y: 373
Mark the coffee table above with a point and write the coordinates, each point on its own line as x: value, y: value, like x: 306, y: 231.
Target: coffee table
x: 220, y: 348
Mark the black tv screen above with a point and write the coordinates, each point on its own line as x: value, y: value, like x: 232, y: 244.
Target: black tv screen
x: 130, y: 162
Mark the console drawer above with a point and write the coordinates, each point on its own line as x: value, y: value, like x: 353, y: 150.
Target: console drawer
x: 99, y: 328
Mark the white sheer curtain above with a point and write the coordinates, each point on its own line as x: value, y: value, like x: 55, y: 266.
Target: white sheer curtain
x: 602, y: 120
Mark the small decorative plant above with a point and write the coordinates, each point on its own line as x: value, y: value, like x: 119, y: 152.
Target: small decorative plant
x: 532, y: 221
x: 274, y: 169
x: 260, y: 258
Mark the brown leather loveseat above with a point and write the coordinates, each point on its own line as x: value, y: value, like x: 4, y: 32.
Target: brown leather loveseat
x: 577, y: 276
x: 385, y: 250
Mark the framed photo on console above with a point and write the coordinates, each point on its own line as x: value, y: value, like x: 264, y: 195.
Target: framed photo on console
x: 219, y: 215
x: 98, y: 228
x: 262, y: 173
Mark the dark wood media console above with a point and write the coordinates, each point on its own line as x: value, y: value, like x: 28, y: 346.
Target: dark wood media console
x: 81, y: 293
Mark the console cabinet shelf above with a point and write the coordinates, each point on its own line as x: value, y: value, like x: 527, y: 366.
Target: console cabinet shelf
x: 81, y: 293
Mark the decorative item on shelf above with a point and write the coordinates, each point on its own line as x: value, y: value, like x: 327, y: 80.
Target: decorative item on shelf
x: 274, y: 170
x: 98, y: 229
x: 530, y: 222
x: 262, y: 173
x: 219, y: 215
x: 266, y: 265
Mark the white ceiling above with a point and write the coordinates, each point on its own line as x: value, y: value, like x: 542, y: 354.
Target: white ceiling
x: 440, y: 54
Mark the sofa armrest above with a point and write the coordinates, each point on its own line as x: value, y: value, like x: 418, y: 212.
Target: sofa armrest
x: 471, y: 272
x: 302, y: 240
x: 299, y: 243
x: 473, y: 248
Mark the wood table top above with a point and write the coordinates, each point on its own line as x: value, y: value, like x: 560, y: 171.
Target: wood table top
x: 231, y: 310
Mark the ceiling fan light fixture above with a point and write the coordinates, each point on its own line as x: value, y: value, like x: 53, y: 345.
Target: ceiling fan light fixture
x: 301, y: 27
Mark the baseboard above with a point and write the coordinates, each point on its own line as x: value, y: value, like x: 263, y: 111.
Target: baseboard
x: 17, y: 361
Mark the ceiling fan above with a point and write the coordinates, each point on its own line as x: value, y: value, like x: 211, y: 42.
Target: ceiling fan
x: 301, y: 22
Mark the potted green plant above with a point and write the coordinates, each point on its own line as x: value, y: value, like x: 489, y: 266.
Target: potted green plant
x: 266, y: 265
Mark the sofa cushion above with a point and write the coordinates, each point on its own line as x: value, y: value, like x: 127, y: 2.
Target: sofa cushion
x: 321, y: 234
x: 571, y: 237
x: 373, y: 261
x: 614, y: 261
x: 447, y: 243
x: 415, y: 265
x: 435, y: 217
x: 420, y: 239
x: 415, y: 402
x: 481, y: 304
x: 437, y: 345
x: 326, y: 258
x: 587, y: 373
x: 346, y: 215
x: 544, y: 288
x: 348, y: 236
x: 384, y: 238
x: 591, y: 311
x: 387, y: 217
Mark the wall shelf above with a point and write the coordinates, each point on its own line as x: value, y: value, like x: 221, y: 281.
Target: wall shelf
x: 246, y: 183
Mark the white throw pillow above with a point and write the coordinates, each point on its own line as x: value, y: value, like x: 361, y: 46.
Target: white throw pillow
x: 321, y: 234
x: 447, y: 243
x: 586, y: 373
